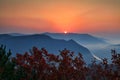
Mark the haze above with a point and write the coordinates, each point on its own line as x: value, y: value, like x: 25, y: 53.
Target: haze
x: 79, y: 16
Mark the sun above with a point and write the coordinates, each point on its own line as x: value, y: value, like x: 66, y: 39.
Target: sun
x: 65, y: 32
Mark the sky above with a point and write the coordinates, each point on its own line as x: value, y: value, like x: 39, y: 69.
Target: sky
x: 77, y: 16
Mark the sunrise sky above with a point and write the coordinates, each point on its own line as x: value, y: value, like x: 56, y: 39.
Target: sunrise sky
x: 78, y: 16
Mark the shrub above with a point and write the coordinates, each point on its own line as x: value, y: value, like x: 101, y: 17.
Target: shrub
x: 38, y: 64
x: 6, y: 65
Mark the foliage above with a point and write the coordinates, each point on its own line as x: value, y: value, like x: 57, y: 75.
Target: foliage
x: 6, y: 66
x: 41, y: 65
x: 105, y: 71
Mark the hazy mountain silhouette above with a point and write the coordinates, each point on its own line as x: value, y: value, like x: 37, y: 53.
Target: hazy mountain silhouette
x: 16, y: 34
x: 114, y: 46
x: 94, y: 44
x: 105, y: 52
x: 84, y: 39
x: 4, y: 37
x: 20, y: 44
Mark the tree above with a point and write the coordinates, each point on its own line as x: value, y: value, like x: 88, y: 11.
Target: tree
x: 38, y: 64
x: 6, y: 65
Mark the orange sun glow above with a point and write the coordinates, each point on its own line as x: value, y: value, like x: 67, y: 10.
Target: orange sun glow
x: 65, y: 32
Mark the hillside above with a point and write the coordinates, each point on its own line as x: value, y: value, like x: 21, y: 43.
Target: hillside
x: 24, y: 43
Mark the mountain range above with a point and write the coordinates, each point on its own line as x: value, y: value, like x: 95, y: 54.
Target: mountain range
x: 90, y: 46
x: 23, y: 43
x: 86, y: 40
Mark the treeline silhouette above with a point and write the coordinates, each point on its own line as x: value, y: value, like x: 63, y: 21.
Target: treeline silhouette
x: 38, y: 64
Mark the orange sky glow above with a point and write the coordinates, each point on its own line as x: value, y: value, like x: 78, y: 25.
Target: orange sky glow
x: 82, y: 16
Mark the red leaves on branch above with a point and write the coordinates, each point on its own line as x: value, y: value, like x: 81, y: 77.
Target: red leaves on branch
x: 47, y: 66
x: 40, y: 65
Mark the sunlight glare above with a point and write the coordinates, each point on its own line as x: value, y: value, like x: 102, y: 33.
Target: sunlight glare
x: 65, y: 32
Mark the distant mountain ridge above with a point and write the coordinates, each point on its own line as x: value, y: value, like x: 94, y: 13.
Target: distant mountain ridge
x: 84, y: 39
x: 4, y: 36
x: 20, y: 44
x: 16, y: 34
